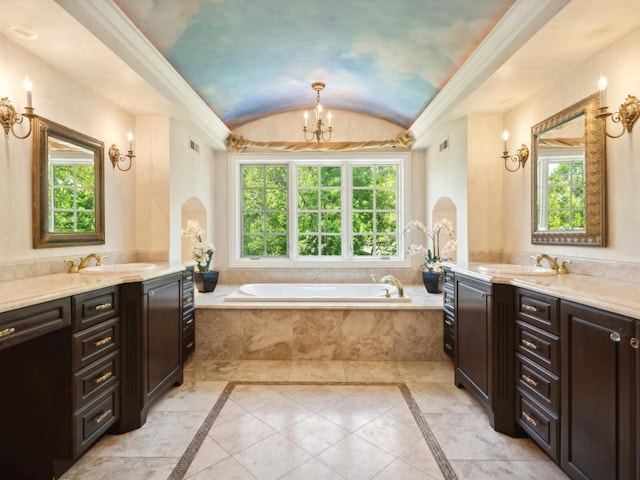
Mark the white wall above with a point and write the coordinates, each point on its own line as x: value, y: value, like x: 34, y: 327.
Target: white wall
x: 619, y: 64
x: 59, y: 98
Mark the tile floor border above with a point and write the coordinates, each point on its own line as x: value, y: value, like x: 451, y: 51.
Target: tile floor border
x: 188, y: 456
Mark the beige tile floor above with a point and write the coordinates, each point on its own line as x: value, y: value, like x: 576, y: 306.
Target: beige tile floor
x: 314, y: 431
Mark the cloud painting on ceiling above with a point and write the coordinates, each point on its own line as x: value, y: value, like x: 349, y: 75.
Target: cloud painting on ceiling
x: 252, y: 58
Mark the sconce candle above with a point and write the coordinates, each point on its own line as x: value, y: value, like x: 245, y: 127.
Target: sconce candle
x: 306, y: 117
x: 602, y: 86
x: 505, y: 137
x: 28, y: 86
x: 130, y: 137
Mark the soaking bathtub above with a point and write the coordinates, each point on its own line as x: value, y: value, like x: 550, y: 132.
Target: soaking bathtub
x: 317, y: 292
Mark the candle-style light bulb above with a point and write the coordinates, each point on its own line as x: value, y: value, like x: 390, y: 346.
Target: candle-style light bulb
x: 306, y: 118
x: 505, y: 137
x: 319, y: 112
x: 329, y: 117
x: 28, y: 86
x: 602, y: 85
x: 130, y: 137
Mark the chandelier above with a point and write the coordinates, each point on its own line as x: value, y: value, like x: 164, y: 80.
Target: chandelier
x: 319, y: 132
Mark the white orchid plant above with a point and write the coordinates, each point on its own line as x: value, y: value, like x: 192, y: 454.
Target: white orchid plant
x: 202, y: 252
x: 433, y: 259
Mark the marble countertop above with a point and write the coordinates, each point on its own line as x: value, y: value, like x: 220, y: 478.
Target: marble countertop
x: 30, y: 291
x: 611, y: 295
x: 420, y: 300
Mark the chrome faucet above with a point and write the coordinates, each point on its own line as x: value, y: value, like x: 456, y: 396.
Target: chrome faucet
x: 84, y: 262
x: 394, y: 281
x: 553, y: 262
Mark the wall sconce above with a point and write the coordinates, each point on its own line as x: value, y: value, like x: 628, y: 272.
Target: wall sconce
x: 521, y: 156
x: 627, y: 114
x: 117, y: 158
x: 9, y: 117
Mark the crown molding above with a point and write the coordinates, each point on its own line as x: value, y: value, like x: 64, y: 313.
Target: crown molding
x: 112, y: 27
x: 513, y: 30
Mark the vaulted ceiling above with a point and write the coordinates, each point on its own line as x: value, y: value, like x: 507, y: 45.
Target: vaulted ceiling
x: 222, y: 63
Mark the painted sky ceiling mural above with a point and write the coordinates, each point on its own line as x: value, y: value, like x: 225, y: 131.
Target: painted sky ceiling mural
x: 252, y: 58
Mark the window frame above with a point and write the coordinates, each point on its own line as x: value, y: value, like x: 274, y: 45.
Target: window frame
x: 402, y: 159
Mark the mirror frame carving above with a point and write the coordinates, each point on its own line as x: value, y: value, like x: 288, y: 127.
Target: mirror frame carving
x: 595, y: 233
x: 42, y: 237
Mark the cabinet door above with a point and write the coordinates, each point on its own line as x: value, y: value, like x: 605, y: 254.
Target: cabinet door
x: 472, y: 334
x: 596, y: 380
x: 163, y: 332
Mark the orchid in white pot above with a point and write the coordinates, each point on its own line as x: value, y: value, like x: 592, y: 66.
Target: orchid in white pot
x: 433, y: 256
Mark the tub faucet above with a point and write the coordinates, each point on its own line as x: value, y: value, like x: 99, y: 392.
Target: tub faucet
x: 393, y: 280
x: 84, y: 262
x: 553, y: 262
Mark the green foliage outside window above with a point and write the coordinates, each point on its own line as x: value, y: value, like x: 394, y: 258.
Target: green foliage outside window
x: 566, y: 196
x: 72, y: 198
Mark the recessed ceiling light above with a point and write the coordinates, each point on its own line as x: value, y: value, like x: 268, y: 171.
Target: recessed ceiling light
x: 23, y: 33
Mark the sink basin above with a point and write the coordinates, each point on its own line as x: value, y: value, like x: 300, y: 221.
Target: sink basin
x: 514, y: 270
x: 119, y: 268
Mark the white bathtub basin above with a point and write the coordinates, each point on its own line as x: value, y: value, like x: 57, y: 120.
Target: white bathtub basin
x: 119, y: 268
x: 321, y: 292
x: 514, y: 269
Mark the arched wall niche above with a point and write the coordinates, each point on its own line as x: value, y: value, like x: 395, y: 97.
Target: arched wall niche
x: 192, y: 209
x: 445, y: 208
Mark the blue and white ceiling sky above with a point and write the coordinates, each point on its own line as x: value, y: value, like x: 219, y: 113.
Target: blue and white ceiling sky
x: 252, y: 58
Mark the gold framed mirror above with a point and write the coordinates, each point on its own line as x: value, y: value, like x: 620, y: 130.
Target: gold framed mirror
x: 568, y: 192
x: 68, y: 191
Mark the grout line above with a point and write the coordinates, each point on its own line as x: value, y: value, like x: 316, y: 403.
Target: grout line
x: 189, y: 455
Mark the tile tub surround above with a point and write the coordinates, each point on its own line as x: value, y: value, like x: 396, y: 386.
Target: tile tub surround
x: 231, y: 331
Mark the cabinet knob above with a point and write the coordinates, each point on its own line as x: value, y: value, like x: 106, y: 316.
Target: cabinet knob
x: 634, y: 342
x: 614, y: 336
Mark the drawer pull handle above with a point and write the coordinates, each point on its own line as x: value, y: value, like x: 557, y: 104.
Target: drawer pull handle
x: 102, y: 417
x: 103, y: 378
x: 7, y: 331
x: 104, y: 341
x: 529, y: 308
x: 448, y: 347
x: 189, y: 278
x: 529, y: 344
x: 530, y: 420
x: 190, y: 321
x: 614, y: 336
x: 188, y: 300
x: 103, y: 306
x: 529, y: 380
x: 448, y: 322
x: 190, y: 345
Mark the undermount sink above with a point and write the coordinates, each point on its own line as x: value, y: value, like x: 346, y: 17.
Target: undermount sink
x: 119, y: 268
x: 514, y: 269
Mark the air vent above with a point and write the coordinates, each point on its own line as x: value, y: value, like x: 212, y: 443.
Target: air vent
x: 444, y: 145
x: 194, y: 146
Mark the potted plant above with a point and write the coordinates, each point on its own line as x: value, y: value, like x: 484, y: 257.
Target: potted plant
x: 433, y: 259
x: 202, y: 252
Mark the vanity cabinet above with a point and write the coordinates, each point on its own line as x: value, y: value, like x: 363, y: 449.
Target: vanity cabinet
x: 537, y: 368
x: 599, y: 399
x: 483, y: 317
x: 448, y: 312
x: 188, y: 314
x: 152, y: 324
x: 35, y: 403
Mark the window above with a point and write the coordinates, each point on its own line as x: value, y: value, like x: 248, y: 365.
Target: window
x: 323, y: 209
x: 562, y: 203
x: 72, y: 195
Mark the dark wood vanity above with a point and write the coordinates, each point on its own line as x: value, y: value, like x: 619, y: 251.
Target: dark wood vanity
x: 77, y: 367
x: 561, y: 372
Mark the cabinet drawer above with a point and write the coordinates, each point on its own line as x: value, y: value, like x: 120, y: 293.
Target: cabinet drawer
x: 449, y: 324
x: 449, y: 345
x: 20, y: 325
x: 539, y: 310
x: 187, y: 300
x: 540, y: 424
x: 91, y: 421
x: 92, y: 343
x: 95, y: 379
x: 538, y: 345
x: 94, y: 307
x: 188, y: 320
x: 188, y: 342
x: 537, y: 382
